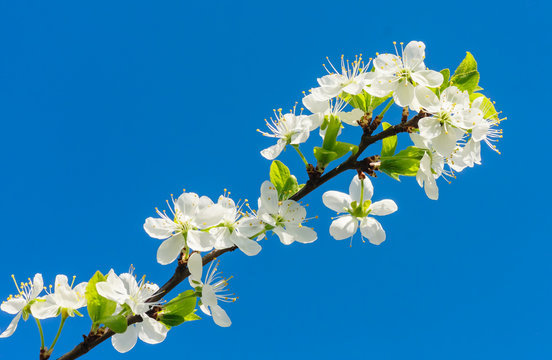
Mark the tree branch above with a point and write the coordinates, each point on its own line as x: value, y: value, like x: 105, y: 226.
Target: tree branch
x: 182, y: 272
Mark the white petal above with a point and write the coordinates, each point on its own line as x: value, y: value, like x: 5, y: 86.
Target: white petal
x: 269, y: 198
x: 159, y: 228
x: 273, y: 151
x: 314, y: 105
x: 200, y: 240
x: 11, y: 327
x: 187, y: 204
x: 301, y: 234
x: 430, y: 127
x: 300, y: 137
x: 343, y: 227
x: 387, y: 63
x: 38, y: 286
x: 404, y: 93
x: 209, y: 216
x: 45, y: 309
x: 445, y: 143
x: 13, y: 305
x: 126, y: 341
x: 336, y: 201
x: 195, y: 265
x: 285, y: 237
x: 152, y: 331
x: 222, y: 237
x: 113, y: 289
x: 248, y: 246
x: 208, y: 296
x: 414, y: 54
x: 371, y: 229
x: 428, y: 78
x: 350, y: 117
x: 427, y: 99
x: 431, y: 189
x: 383, y: 207
x: 170, y: 249
x: 249, y: 226
x: 292, y: 212
x: 419, y: 141
x: 355, y: 189
x: 61, y: 280
x: 220, y: 317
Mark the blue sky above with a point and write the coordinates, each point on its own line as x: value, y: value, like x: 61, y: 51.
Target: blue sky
x: 109, y: 107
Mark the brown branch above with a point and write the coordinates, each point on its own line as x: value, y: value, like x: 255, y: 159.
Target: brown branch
x: 182, y: 272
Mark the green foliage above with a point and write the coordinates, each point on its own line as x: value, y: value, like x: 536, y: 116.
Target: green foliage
x: 364, y: 101
x: 446, y: 80
x: 389, y: 144
x: 98, y: 307
x: 331, y: 148
x: 285, y: 183
x: 117, y: 323
x: 406, y: 163
x: 179, y: 309
x: 489, y: 111
x: 466, y: 76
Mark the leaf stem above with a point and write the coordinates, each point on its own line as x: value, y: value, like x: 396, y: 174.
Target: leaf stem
x: 296, y: 147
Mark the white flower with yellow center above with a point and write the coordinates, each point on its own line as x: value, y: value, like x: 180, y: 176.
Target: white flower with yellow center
x: 126, y: 291
x: 285, y: 217
x: 65, y: 300
x: 358, y: 207
x: 184, y: 228
x: 211, y: 291
x: 237, y: 230
x: 288, y: 129
x: 19, y: 305
x: 401, y: 75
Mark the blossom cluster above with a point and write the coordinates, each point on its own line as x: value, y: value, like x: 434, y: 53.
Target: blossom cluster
x: 452, y: 120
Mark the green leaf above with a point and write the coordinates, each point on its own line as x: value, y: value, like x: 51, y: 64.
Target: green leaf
x: 446, y: 80
x: 466, y: 76
x: 192, y: 317
x: 364, y: 101
x: 325, y: 157
x: 175, y: 311
x: 285, y: 183
x: 330, y: 137
x: 117, y: 323
x: 406, y: 163
x: 290, y: 187
x: 487, y: 106
x: 389, y: 144
x: 98, y: 306
x: 279, y: 173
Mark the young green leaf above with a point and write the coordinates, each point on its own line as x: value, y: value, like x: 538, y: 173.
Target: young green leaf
x: 330, y: 137
x: 388, y: 144
x: 98, y: 306
x: 466, y: 76
x: 446, y: 80
x: 487, y: 106
x: 117, y: 323
x: 176, y: 310
x: 279, y: 173
x: 364, y: 101
x: 406, y: 163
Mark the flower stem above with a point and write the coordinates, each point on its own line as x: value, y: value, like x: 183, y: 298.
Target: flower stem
x: 296, y: 147
x: 41, y: 333
x: 63, y: 318
x: 391, y: 102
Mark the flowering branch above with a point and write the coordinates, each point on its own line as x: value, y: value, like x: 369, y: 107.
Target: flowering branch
x: 451, y: 121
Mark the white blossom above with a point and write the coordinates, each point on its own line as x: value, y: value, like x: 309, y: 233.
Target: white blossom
x: 286, y: 217
x: 236, y: 230
x: 64, y: 300
x: 358, y: 207
x: 288, y: 129
x: 18, y: 305
x: 191, y: 215
x: 401, y: 75
x: 212, y: 291
x: 125, y: 290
